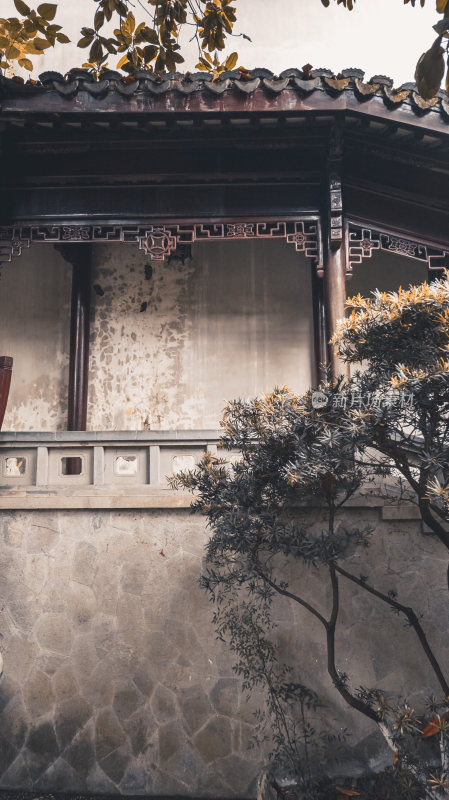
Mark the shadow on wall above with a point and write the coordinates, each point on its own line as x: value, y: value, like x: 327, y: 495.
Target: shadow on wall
x: 113, y: 680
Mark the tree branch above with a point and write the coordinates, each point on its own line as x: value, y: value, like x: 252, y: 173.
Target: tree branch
x: 292, y: 596
x: 411, y: 617
x: 429, y: 519
x: 354, y: 702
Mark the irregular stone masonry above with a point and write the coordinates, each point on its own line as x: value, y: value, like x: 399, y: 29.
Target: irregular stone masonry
x: 114, y: 682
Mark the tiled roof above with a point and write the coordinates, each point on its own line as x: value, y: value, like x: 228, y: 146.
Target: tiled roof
x: 305, y: 84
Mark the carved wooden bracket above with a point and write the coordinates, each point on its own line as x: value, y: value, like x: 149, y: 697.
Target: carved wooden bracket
x: 362, y: 242
x: 159, y: 241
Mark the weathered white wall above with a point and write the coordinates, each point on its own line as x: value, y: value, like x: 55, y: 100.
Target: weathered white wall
x: 168, y: 351
x: 34, y: 330
x: 379, y: 36
x: 169, y: 344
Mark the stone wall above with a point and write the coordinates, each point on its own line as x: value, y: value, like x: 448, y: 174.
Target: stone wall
x: 113, y: 679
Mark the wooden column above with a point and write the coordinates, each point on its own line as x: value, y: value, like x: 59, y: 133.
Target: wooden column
x: 80, y: 256
x: 335, y: 299
x: 334, y: 274
x: 5, y: 382
x: 319, y: 326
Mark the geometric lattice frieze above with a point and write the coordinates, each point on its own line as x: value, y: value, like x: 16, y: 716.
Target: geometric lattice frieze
x: 12, y: 242
x: 363, y: 242
x: 160, y: 240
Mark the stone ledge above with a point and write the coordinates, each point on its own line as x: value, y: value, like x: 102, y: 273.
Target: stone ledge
x: 49, y: 500
x: 400, y: 511
x: 11, y: 794
x: 143, y: 497
x: 184, y: 436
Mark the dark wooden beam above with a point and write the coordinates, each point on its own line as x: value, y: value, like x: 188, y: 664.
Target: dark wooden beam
x: 320, y: 336
x: 5, y: 383
x: 80, y: 255
x: 41, y: 106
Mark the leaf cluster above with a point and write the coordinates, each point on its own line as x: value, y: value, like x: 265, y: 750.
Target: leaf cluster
x: 434, y: 62
x: 28, y: 36
x: 403, y: 338
x: 153, y: 43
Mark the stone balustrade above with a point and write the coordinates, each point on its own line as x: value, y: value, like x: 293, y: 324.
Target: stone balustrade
x: 77, y: 469
x: 120, y: 469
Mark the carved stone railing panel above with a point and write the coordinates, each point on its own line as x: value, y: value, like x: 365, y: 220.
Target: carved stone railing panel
x: 114, y: 462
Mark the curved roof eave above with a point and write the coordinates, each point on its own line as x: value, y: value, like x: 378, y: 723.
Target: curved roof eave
x: 253, y: 92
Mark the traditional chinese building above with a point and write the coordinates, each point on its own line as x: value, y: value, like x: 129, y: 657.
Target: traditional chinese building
x: 168, y: 244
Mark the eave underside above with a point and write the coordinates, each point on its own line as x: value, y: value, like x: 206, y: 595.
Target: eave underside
x: 145, y: 157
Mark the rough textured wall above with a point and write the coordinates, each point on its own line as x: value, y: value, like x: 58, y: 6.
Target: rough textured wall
x: 34, y: 330
x: 113, y: 679
x: 171, y: 342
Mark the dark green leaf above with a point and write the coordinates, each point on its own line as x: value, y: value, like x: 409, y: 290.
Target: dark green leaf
x: 47, y: 11
x: 22, y: 7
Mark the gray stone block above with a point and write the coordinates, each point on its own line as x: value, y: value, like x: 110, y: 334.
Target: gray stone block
x: 136, y: 781
x: 185, y: 765
x: 239, y: 774
x: 80, y: 754
x: 143, y: 680
x: 172, y: 738
x: 84, y: 563
x: 225, y: 696
x: 17, y: 776
x: 213, y: 741
x: 61, y: 778
x: 140, y: 727
x: 8, y: 754
x: 115, y: 764
x: 163, y: 704
x: 53, y: 632
x: 64, y: 683
x: 38, y: 694
x: 41, y: 749
x: 14, y: 722
x: 108, y: 733
x: 71, y: 715
x: 126, y: 700
x: 195, y: 706
x: 98, y: 783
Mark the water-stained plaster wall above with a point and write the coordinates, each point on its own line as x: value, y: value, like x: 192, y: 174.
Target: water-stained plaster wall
x: 114, y: 681
x: 386, y: 272
x: 34, y: 330
x: 171, y: 342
